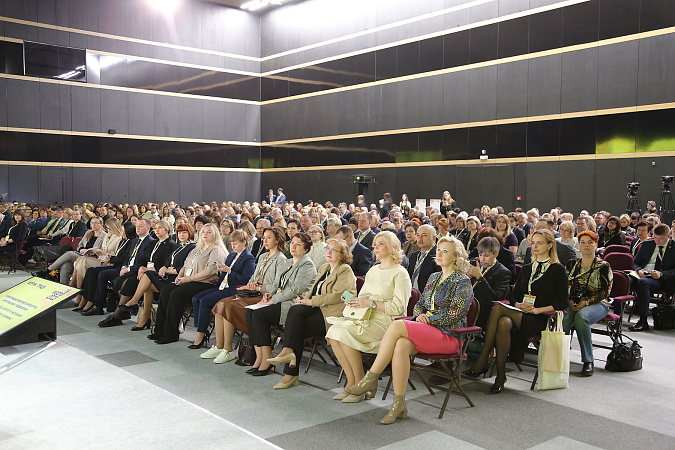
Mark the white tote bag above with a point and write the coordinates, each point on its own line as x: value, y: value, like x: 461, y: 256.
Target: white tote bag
x: 554, y: 356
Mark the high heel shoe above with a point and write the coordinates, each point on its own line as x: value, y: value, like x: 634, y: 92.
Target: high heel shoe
x: 341, y: 396
x: 367, y: 396
x: 262, y: 373
x: 367, y: 383
x: 293, y: 382
x: 280, y: 360
x: 252, y: 370
x: 472, y: 374
x: 398, y: 410
x: 200, y: 345
x: 77, y: 309
x: 498, y: 386
x: 146, y: 326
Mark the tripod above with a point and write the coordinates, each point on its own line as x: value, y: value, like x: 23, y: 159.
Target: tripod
x: 633, y: 204
x: 666, y: 205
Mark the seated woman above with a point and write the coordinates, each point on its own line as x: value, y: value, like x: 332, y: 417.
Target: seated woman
x: 17, y: 233
x: 156, y: 255
x: 611, y: 234
x: 114, y: 229
x: 198, y: 274
x: 226, y: 228
x: 590, y: 285
x: 442, y: 227
x: 541, y: 286
x: 152, y: 281
x: 40, y: 216
x: 294, y: 280
x: 504, y: 227
x: 387, y: 291
x: 470, y: 240
x: 65, y: 264
x: 318, y: 251
x: 230, y: 313
x: 307, y: 318
x: 410, y: 245
x: 490, y: 221
x: 442, y: 307
x: 237, y: 270
x: 566, y: 230
x: 625, y: 222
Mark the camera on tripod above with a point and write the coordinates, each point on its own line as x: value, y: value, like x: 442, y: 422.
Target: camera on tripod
x: 667, y: 180
x: 633, y: 188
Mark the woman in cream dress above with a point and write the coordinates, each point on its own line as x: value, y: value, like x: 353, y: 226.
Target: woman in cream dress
x: 386, y: 291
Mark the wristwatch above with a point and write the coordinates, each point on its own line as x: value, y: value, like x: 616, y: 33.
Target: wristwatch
x: 374, y: 305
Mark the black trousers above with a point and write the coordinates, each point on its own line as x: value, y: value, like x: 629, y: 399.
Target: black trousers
x: 302, y: 322
x: 89, y: 281
x: 259, y: 322
x: 172, y: 301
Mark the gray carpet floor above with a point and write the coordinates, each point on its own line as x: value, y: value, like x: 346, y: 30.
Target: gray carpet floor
x: 113, y: 388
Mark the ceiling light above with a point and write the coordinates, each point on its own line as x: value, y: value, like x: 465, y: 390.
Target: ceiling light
x: 256, y: 5
x: 166, y: 6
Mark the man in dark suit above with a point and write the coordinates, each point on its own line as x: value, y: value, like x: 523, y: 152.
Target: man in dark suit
x: 423, y: 261
x: 643, y: 229
x: 271, y: 198
x: 137, y: 257
x: 492, y: 278
x: 362, y: 257
x: 344, y: 213
x: 365, y: 235
x: 655, y: 264
x: 5, y: 219
x: 565, y: 252
x: 258, y: 248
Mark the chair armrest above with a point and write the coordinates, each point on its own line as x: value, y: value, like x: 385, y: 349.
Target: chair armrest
x: 467, y: 330
x: 404, y: 318
x: 623, y: 298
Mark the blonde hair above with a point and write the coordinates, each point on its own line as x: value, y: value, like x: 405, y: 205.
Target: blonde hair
x: 320, y: 230
x: 567, y: 226
x: 248, y: 228
x: 218, y: 240
x: 461, y: 257
x: 166, y: 225
x: 114, y: 226
x: 392, y: 244
x: 550, y: 239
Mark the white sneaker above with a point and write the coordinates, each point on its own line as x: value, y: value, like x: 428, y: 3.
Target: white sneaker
x: 211, y: 353
x: 224, y: 357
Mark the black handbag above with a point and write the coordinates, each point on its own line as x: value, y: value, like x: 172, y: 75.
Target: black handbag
x: 245, y: 353
x: 624, y: 357
x: 664, y: 317
x: 248, y: 293
x: 49, y: 253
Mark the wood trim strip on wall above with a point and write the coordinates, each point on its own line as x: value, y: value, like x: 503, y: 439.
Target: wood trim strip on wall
x: 571, y: 115
x: 494, y: 62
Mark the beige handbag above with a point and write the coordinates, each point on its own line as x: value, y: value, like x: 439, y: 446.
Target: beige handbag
x: 357, y: 313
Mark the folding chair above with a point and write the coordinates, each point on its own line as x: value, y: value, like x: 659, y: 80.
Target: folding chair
x: 450, y: 364
x: 616, y: 249
x: 619, y: 261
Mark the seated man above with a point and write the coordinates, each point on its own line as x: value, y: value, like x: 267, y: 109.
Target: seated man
x: 492, y: 278
x: 423, y: 261
x: 258, y: 248
x: 365, y: 235
x: 361, y: 256
x: 655, y: 265
x: 643, y: 231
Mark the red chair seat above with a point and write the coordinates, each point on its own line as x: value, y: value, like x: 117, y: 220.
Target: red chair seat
x: 611, y: 317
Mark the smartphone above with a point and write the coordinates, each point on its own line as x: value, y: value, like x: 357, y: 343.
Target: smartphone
x: 347, y: 296
x: 217, y: 263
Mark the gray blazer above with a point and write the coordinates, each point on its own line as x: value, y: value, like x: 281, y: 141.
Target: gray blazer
x: 272, y: 271
x: 298, y: 280
x: 97, y: 244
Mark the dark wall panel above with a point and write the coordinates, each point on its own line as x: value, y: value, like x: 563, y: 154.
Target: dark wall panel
x: 23, y: 184
x: 543, y: 184
x: 167, y: 185
x: 190, y: 187
x: 53, y: 184
x: 617, y: 75
x: 141, y: 185
x: 115, y: 185
x: 87, y: 184
x: 23, y: 104
x: 577, y: 186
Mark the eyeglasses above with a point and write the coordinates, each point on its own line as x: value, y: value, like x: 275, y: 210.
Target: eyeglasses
x: 314, y: 232
x: 332, y: 250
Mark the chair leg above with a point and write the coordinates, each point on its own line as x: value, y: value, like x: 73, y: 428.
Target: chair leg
x: 386, y: 389
x: 311, y: 355
x: 330, y: 354
x: 534, y: 380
